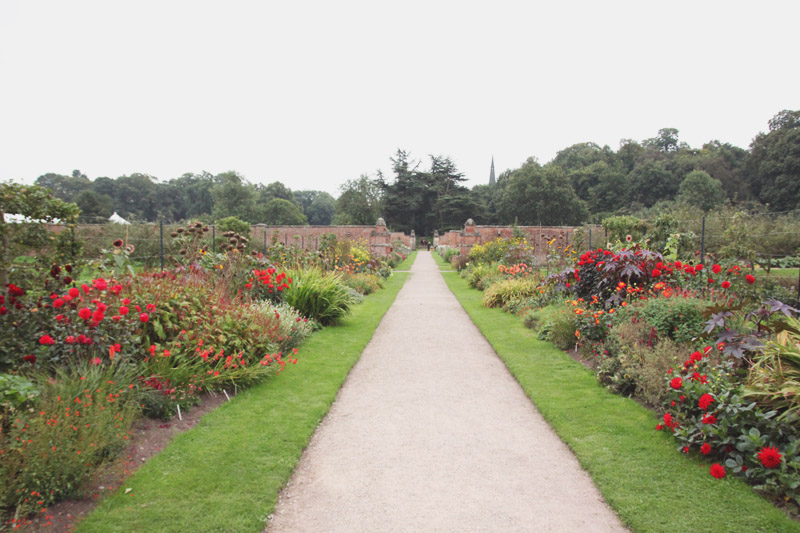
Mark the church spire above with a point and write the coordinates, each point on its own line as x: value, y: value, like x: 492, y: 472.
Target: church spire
x: 492, y: 181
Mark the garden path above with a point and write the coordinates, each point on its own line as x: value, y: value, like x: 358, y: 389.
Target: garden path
x: 430, y: 432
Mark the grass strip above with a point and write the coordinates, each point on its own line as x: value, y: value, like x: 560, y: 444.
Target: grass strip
x: 638, y: 470
x: 225, y: 474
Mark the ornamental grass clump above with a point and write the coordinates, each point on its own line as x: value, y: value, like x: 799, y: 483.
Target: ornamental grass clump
x: 500, y: 293
x: 317, y: 295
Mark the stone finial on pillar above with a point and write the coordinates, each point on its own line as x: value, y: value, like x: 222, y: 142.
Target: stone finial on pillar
x: 469, y: 226
x: 380, y: 225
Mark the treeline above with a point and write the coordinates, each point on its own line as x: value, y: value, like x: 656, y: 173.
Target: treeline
x: 584, y: 183
x: 204, y: 196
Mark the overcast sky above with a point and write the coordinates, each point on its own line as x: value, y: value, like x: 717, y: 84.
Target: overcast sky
x: 315, y: 93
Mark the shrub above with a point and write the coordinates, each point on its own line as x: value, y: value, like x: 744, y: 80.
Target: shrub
x: 502, y: 292
x: 559, y: 328
x: 679, y: 319
x: 323, y: 297
x: 449, y: 253
x: 364, y: 284
x: 635, y: 360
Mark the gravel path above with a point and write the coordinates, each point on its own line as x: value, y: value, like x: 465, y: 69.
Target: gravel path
x: 431, y: 433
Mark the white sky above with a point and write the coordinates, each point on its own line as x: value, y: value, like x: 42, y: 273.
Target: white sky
x: 314, y: 93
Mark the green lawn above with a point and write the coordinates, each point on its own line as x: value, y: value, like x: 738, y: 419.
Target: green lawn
x: 225, y: 474
x: 649, y: 484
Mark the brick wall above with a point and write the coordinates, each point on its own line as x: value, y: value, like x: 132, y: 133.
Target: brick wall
x: 537, y: 236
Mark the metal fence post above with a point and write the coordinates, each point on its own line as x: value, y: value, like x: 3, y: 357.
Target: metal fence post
x: 213, y: 238
x: 590, y: 239
x: 703, y: 241
x: 161, y: 229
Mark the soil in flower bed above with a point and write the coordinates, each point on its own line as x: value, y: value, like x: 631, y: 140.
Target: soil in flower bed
x: 148, y: 436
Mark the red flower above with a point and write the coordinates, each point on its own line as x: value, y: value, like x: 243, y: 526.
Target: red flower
x: 710, y: 281
x: 659, y: 427
x: 13, y: 290
x: 95, y: 361
x: 3, y: 310
x: 98, y: 315
x: 726, y: 284
x: 655, y: 273
x: 46, y: 340
x: 750, y: 279
x: 85, y: 313
x: 770, y: 457
x: 86, y: 288
x: 58, y: 302
x: 716, y: 269
x: 705, y: 449
x: 705, y: 401
x: 144, y: 317
x: 123, y: 310
x: 100, y: 284
x: 676, y: 383
x: 709, y: 419
x: 117, y: 243
x: 699, y: 267
x: 29, y: 358
x: 717, y: 470
x: 74, y: 292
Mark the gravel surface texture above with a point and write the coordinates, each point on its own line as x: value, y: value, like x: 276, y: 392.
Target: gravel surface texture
x: 431, y: 433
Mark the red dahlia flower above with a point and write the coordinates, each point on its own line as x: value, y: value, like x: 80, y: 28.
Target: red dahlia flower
x: 85, y: 313
x: 717, y: 470
x: 46, y: 340
x: 750, y: 279
x: 726, y: 284
x: 144, y: 317
x: 676, y: 383
x: 770, y: 457
x: 716, y: 269
x: 655, y: 273
x: 705, y: 401
x: 705, y: 449
x: 29, y: 358
x: 709, y: 419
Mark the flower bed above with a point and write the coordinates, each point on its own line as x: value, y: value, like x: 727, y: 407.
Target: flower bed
x: 82, y: 360
x: 705, y: 345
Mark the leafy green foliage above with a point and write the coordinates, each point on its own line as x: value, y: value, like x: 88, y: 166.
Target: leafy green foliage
x: 317, y: 295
